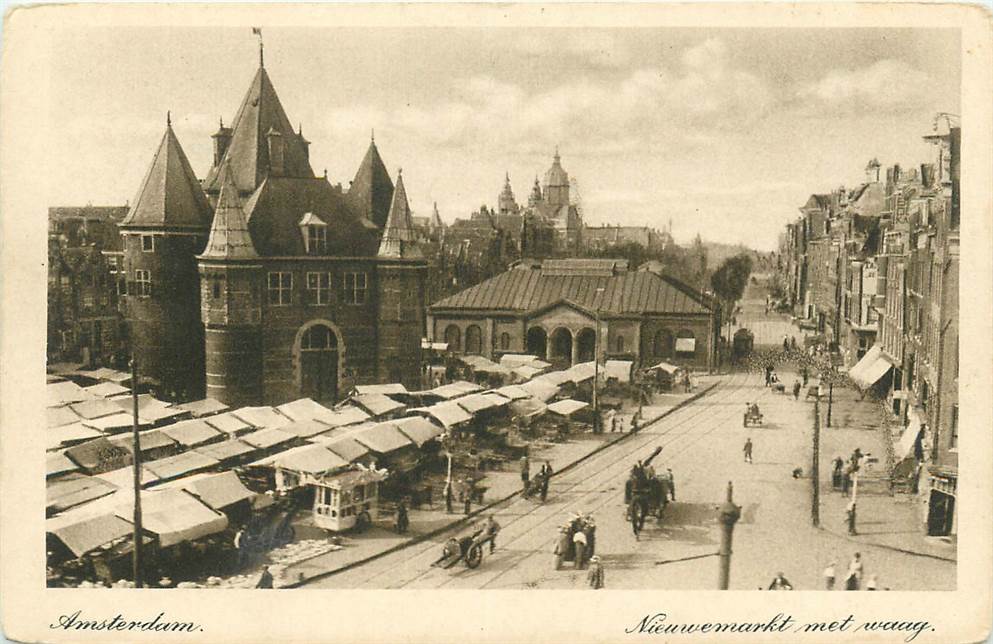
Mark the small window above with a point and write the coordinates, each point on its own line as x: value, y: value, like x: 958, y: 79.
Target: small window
x: 122, y: 285
x: 319, y: 288
x: 355, y: 288
x: 280, y: 288
x: 147, y: 243
x: 143, y: 282
x: 215, y: 286
x: 317, y: 240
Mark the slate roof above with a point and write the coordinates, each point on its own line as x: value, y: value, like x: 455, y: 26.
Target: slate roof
x: 528, y: 289
x: 398, y: 234
x: 229, y: 237
x: 371, y: 191
x: 170, y: 194
x: 248, y: 151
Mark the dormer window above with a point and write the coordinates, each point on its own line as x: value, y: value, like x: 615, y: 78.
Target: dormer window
x: 315, y: 234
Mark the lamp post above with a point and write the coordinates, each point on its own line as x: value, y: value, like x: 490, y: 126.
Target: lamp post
x: 729, y: 515
x: 136, y: 559
x: 596, y: 364
x: 815, y: 470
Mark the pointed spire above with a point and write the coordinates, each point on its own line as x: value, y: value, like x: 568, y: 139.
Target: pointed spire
x: 371, y: 190
x: 168, y: 119
x: 229, y: 236
x: 398, y: 234
x: 372, y: 136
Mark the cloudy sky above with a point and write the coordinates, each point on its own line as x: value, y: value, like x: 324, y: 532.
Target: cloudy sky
x: 725, y: 132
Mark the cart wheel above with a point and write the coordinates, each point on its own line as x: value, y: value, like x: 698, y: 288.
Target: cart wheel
x: 474, y: 557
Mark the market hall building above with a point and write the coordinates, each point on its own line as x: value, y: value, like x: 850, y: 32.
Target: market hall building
x: 552, y: 309
x: 265, y: 282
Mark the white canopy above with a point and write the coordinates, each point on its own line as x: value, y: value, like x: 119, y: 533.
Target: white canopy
x: 870, y: 368
x: 566, y: 407
x: 619, y: 369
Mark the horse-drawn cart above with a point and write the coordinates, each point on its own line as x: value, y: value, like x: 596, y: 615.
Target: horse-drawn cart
x: 467, y: 548
x: 752, y: 416
x: 646, y: 493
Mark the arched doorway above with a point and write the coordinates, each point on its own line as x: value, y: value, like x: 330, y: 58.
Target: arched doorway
x: 562, y: 344
x: 453, y: 338
x: 473, y: 340
x: 587, y: 345
x: 662, y: 344
x: 537, y: 342
x: 318, y: 363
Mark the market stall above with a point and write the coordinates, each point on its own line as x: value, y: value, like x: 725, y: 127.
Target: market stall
x: 348, y: 498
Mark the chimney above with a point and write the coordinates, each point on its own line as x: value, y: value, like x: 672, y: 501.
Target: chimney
x: 275, y: 152
x: 222, y: 138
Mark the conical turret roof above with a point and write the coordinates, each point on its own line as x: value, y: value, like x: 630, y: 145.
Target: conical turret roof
x: 260, y: 113
x: 371, y: 192
x: 398, y: 234
x: 170, y: 195
x: 229, y: 236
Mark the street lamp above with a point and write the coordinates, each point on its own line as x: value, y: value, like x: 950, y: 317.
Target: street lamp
x: 815, y: 470
x: 728, y: 516
x: 596, y: 362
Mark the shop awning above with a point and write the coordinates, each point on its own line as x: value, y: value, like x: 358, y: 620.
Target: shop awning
x: 205, y: 407
x: 619, y: 369
x: 566, y: 407
x: 870, y: 368
x: 313, y: 459
x: 541, y: 389
x: 175, y: 516
x: 418, y: 429
x: 191, y: 433
x: 382, y: 438
x: 74, y: 490
x: 307, y: 409
x: 377, y: 404
x: 905, y: 446
x: 85, y: 534
x: 180, y: 464
x: 262, y: 417
x: 387, y: 389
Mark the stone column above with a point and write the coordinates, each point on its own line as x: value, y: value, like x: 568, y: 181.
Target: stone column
x: 575, y: 348
x: 548, y: 346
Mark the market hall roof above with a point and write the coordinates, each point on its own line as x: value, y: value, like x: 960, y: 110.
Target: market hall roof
x: 533, y: 287
x: 170, y: 195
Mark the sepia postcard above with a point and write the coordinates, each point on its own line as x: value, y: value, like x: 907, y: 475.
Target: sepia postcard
x: 497, y: 323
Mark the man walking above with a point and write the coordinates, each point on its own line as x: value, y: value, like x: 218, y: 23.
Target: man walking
x: 854, y: 576
x: 579, y: 542
x: 829, y: 576
x: 448, y: 497
x: 796, y: 390
x: 546, y: 474
x: 595, y: 575
x: 850, y: 518
x: 492, y: 529
x: 748, y: 450
x: 806, y: 376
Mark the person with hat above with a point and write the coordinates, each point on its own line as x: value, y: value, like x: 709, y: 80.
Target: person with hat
x: 780, y: 583
x: 579, y: 542
x: 595, y: 576
x: 561, y: 546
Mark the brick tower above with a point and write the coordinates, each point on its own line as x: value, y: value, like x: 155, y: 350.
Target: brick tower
x: 164, y: 230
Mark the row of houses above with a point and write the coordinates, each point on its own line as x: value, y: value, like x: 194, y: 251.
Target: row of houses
x: 875, y: 270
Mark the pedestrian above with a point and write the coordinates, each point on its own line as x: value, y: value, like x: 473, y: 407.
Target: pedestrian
x: 448, y: 496
x: 853, y: 577
x: 579, y: 542
x: 239, y: 550
x: 525, y: 471
x: 403, y: 521
x: 561, y: 546
x: 846, y: 481
x: 672, y: 484
x: 796, y: 390
x: 780, y: 583
x: 768, y: 375
x: 265, y: 580
x: 806, y: 376
x: 871, y: 583
x: 492, y: 529
x: 546, y: 474
x: 837, y: 473
x: 595, y: 576
x: 748, y: 450
x: 786, y: 344
x: 793, y: 342
x: 829, y: 575
x: 614, y: 423
x: 850, y: 518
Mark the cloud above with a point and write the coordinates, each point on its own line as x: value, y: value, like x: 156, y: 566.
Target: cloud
x: 595, y: 48
x: 884, y: 85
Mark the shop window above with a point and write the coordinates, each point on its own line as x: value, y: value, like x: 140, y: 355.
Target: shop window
x: 619, y: 344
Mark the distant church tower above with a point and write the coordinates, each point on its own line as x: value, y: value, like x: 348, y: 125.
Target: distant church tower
x: 557, y: 184
x: 506, y: 203
x: 230, y: 287
x: 163, y: 232
x: 401, y: 290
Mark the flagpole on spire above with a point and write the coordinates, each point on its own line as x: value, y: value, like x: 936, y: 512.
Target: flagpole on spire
x: 258, y: 32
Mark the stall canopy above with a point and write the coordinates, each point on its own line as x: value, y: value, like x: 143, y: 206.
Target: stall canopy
x: 58, y: 416
x: 106, y: 390
x: 377, y: 404
x: 581, y: 372
x: 262, y: 417
x: 512, y: 392
x: 58, y: 463
x: 191, y: 433
x: 304, y: 428
x: 307, y: 409
x: 526, y: 372
x: 73, y: 490
x: 434, y: 346
x: 85, y: 534
x: 348, y: 415
x: 541, y: 389
x: 266, y: 438
x: 475, y: 403
x: 619, y: 369
x: 205, y: 407
x: 99, y: 455
x: 116, y: 423
x: 664, y: 366
x: 123, y: 477
x: 566, y: 407
x: 344, y: 446
x: 229, y: 424
x: 226, y: 450
x: 448, y: 414
x: 65, y: 392
x: 455, y: 389
x: 56, y: 437
x: 95, y: 408
x: 180, y: 464
x: 870, y: 368
x: 513, y: 360
x: 219, y: 491
x: 556, y: 377
x: 418, y: 429
x: 527, y: 407
x: 149, y: 408
x: 382, y: 438
x: 174, y: 515
x: 147, y: 441
x: 307, y: 459
x: 389, y: 389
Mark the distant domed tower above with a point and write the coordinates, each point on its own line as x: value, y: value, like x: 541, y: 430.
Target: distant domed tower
x: 506, y: 203
x: 535, y: 197
x: 557, y: 184
x: 163, y: 232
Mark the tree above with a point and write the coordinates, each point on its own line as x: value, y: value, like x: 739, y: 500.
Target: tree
x: 730, y: 279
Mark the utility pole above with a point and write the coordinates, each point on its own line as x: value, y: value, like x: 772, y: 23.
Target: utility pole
x: 598, y: 422
x: 136, y: 559
x: 729, y: 515
x: 830, y: 400
x: 815, y: 482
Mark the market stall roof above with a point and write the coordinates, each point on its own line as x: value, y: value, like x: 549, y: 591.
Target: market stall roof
x: 58, y: 463
x: 95, y: 408
x: 304, y: 428
x: 145, y: 401
x: 493, y: 368
x: 123, y: 477
x: 541, y: 389
x: 527, y: 407
x: 65, y: 392
x: 226, y: 450
x: 566, y: 407
x: 266, y: 417
x: 870, y: 368
x: 190, y: 433
x: 113, y: 375
x: 455, y: 389
x: 157, y: 413
x: 382, y: 438
x: 149, y: 440
x: 512, y: 392
x: 219, y: 491
x: 116, y: 423
x: 344, y: 446
x: 307, y: 409
x: 475, y: 403
x: 512, y: 360
x: 228, y: 423
x: 266, y: 438
x: 555, y: 377
x: 619, y: 369
x: 85, y: 534
x: 204, y: 407
x: 526, y: 371
x: 102, y: 373
x: 99, y: 454
x: 447, y: 413
x: 106, y: 389
x: 377, y: 404
x: 180, y: 464
x: 353, y: 478
x: 58, y: 416
x: 475, y: 361
x: 418, y: 429
x: 348, y: 415
x: 63, y: 368
x: 581, y: 372
x: 393, y: 388
x: 313, y: 458
x: 174, y: 515
x: 73, y: 434
x: 73, y: 490
x: 664, y: 366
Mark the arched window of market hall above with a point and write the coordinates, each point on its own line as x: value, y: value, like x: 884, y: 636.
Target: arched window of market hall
x: 453, y: 338
x: 473, y: 340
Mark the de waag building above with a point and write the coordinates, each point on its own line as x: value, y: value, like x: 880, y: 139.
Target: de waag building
x: 266, y: 283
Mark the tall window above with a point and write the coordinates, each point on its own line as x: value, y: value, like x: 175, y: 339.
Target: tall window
x: 317, y: 240
x: 318, y: 288
x: 142, y: 282
x: 280, y: 288
x: 147, y: 243
x: 453, y: 338
x: 620, y: 343
x: 504, y: 341
x: 355, y: 288
x: 473, y: 340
